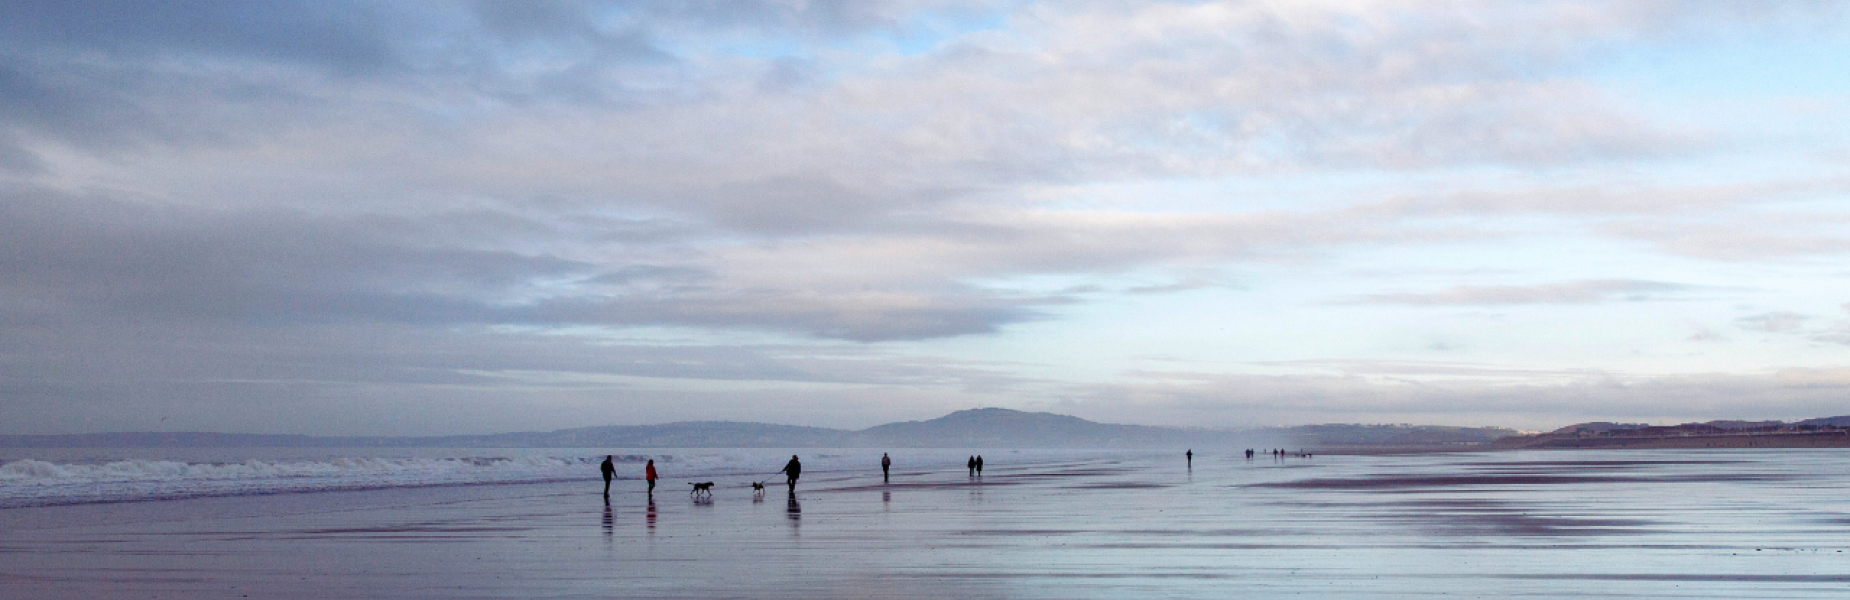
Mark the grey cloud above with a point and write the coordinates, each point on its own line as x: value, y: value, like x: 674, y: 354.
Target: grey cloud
x: 1745, y: 238
x: 866, y: 317
x: 346, y: 36
x: 1573, y: 292
x: 112, y: 374
x: 1608, y: 200
x: 1783, y: 321
x: 84, y: 257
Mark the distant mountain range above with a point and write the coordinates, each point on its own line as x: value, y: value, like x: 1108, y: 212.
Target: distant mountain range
x: 976, y: 428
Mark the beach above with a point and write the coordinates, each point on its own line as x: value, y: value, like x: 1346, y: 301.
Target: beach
x: 1037, y: 524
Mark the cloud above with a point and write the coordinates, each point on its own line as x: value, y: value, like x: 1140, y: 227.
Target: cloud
x: 1774, y: 322
x: 1593, y: 395
x: 308, y: 205
x: 1585, y: 291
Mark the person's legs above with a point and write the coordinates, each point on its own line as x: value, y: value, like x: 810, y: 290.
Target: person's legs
x: 651, y: 487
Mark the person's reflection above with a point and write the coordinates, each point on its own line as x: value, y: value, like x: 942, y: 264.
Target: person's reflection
x: 610, y: 521
x: 651, y: 517
x: 795, y: 510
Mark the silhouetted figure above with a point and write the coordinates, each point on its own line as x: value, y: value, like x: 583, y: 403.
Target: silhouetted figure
x: 1191, y: 458
x: 971, y: 464
x: 793, y: 469
x: 1249, y: 454
x: 610, y: 470
x: 979, y: 465
x: 886, y: 468
x: 648, y: 472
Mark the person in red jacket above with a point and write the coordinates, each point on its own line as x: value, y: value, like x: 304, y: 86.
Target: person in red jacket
x: 648, y: 473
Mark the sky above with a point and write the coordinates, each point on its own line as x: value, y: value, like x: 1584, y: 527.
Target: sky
x: 425, y: 218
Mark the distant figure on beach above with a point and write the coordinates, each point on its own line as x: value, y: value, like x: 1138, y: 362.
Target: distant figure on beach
x: 979, y: 465
x: 648, y: 472
x: 793, y: 469
x: 1191, y: 458
x: 610, y: 470
x: 886, y: 466
x: 1249, y: 454
x: 971, y: 464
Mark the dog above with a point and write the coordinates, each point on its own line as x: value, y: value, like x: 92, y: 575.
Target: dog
x: 757, y: 487
x: 701, y: 489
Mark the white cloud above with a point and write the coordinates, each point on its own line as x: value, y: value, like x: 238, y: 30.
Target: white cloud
x: 1572, y: 292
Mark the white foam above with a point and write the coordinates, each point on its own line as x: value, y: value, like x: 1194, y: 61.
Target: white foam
x: 31, y: 482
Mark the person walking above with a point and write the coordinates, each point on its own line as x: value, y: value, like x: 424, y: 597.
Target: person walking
x: 1191, y: 458
x: 886, y: 466
x: 979, y: 465
x: 648, y: 472
x: 971, y: 464
x: 610, y: 471
x: 793, y: 469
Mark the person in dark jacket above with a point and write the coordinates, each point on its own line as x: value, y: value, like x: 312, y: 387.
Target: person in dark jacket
x: 886, y: 466
x: 979, y: 465
x: 793, y: 469
x: 971, y: 464
x: 610, y: 470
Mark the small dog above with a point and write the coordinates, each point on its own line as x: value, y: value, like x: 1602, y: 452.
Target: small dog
x: 701, y: 489
x: 757, y: 487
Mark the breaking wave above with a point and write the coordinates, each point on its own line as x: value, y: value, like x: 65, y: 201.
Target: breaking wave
x: 36, y: 482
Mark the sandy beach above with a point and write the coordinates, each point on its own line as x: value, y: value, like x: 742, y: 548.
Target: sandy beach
x: 1687, y: 524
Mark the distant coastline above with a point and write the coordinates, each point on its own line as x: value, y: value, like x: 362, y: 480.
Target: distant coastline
x: 1004, y: 428
x: 976, y: 428
x: 1828, y: 432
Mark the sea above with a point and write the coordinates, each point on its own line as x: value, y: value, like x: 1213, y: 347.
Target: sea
x: 1037, y: 523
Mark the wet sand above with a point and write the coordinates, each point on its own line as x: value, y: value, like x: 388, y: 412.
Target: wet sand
x: 1671, y: 524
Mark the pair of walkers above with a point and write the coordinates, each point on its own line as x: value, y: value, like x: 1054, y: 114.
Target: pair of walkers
x: 975, y: 464
x: 609, y: 468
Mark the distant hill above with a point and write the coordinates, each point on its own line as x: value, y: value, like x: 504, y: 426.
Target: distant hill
x: 1001, y: 427
x: 976, y: 428
x: 1828, y: 432
x: 1352, y: 436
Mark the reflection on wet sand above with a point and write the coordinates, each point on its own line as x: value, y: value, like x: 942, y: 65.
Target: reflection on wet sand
x: 1734, y: 524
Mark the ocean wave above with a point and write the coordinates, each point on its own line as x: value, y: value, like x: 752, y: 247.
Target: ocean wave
x: 33, y: 482
x: 30, y: 482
